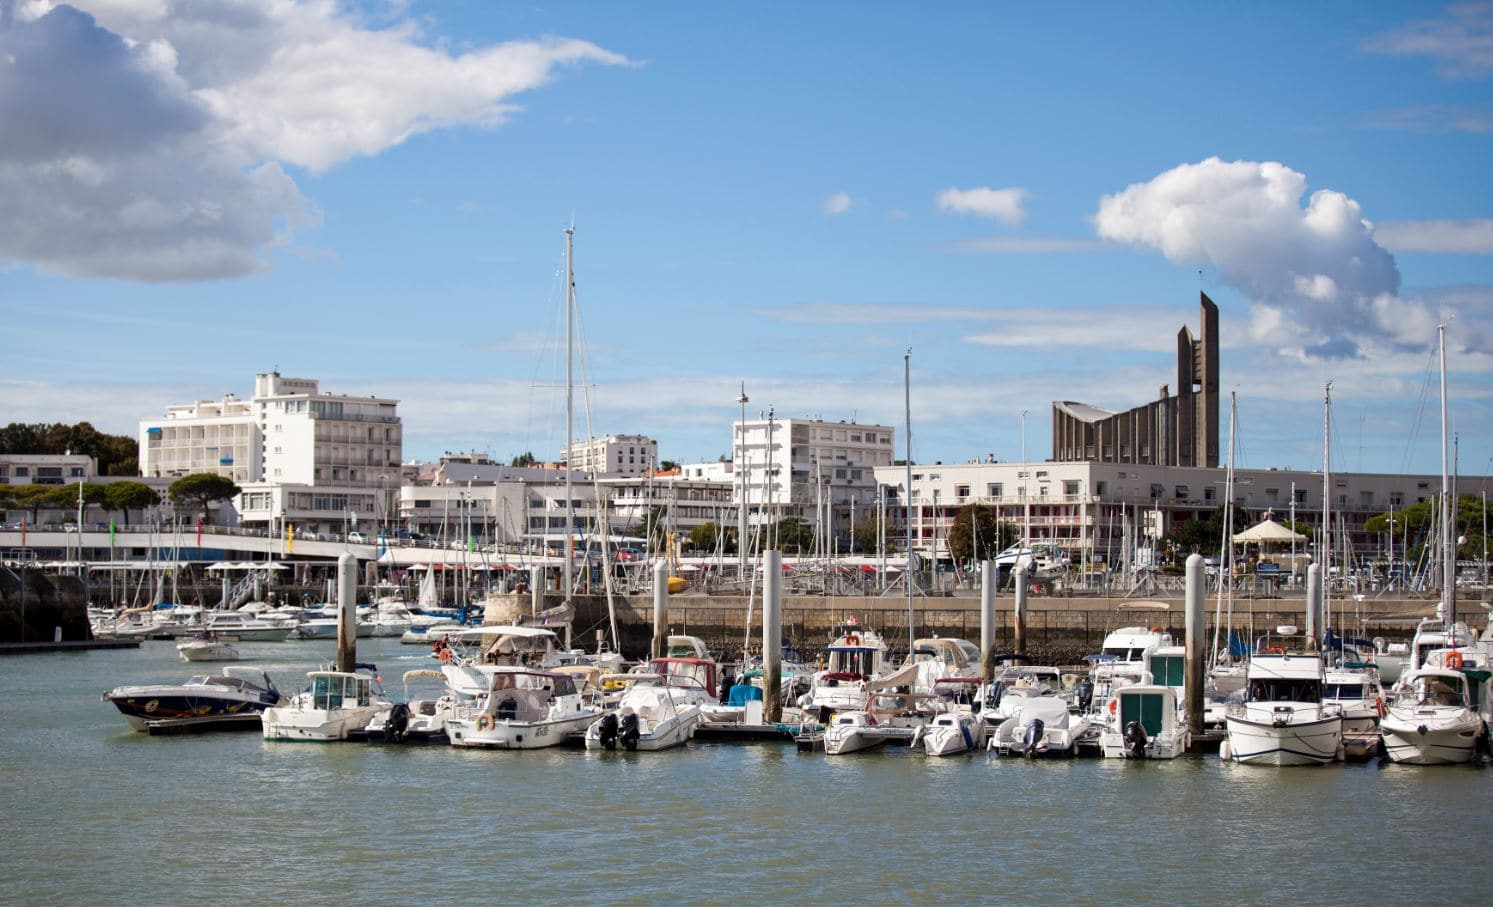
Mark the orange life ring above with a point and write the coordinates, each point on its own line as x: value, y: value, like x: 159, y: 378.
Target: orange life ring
x: 1453, y: 660
x: 445, y: 656
x: 852, y: 640
x: 484, y: 722
x: 1277, y: 650
x: 1114, y: 704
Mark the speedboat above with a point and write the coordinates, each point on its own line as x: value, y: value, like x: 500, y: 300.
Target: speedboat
x: 1280, y: 718
x: 1431, y: 720
x: 206, y: 646
x: 208, y: 700
x: 418, y: 719
x: 335, y: 706
x: 1147, y: 724
x: 522, y: 710
x: 853, y: 731
x: 888, y: 715
x: 659, y: 708
x: 941, y: 657
x: 954, y: 727
x: 1042, y: 726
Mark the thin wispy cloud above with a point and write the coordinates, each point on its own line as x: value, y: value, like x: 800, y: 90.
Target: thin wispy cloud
x: 838, y: 203
x: 1473, y: 236
x: 1003, y: 205
x: 1434, y: 118
x: 1459, y: 40
x: 1025, y: 245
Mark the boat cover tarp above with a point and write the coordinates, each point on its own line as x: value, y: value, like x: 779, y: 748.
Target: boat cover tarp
x: 743, y: 693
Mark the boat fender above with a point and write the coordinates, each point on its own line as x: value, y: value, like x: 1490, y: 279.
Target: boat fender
x: 1422, y: 730
x: 1379, y: 706
x: 1453, y: 660
x: 1033, y: 737
x: 445, y: 656
x: 397, y: 723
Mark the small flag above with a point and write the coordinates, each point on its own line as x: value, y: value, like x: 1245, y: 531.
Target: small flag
x: 289, y: 537
x: 471, y: 544
x: 111, y: 532
x: 199, y: 532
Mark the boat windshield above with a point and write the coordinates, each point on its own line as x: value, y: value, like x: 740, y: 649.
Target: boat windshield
x: 1343, y: 691
x: 1431, y: 691
x: 1304, y: 689
x: 333, y: 691
x: 558, y: 684
x: 852, y: 661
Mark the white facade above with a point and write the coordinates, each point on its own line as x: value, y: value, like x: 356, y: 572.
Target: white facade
x: 301, y: 456
x: 614, y: 455
x: 1085, y: 508
x: 47, y: 469
x: 819, y: 472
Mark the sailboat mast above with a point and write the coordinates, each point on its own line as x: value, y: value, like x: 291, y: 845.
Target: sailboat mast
x: 1325, y: 554
x: 1448, y: 541
x: 569, y: 404
x: 907, y: 412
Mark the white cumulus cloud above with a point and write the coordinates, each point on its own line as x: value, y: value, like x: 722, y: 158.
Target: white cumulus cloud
x: 1003, y: 205
x: 150, y: 141
x: 1316, y: 267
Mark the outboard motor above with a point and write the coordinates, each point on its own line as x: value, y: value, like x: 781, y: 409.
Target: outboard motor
x: 1033, y: 737
x: 994, y: 694
x: 397, y: 723
x: 607, y: 732
x: 1135, y: 740
x: 1085, y: 695
x: 628, y: 732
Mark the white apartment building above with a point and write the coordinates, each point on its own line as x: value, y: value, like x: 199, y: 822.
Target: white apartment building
x: 1090, y: 509
x: 817, y: 471
x: 614, y: 455
x: 47, y: 469
x: 301, y: 456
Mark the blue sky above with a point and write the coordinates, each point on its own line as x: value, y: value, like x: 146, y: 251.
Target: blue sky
x: 786, y: 195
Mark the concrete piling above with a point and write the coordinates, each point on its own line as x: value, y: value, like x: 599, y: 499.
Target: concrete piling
x: 987, y: 619
x: 1313, y: 600
x: 1196, y: 657
x: 772, y: 636
x: 347, y: 611
x: 660, y: 608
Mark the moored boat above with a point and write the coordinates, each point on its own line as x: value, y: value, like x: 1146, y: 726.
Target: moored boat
x: 208, y: 700
x: 1281, y: 719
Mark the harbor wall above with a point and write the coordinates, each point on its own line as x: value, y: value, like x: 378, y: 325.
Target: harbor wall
x: 34, y: 604
x: 1060, y: 629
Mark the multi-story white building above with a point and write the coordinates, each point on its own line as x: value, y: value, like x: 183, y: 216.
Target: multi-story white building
x: 819, y: 472
x: 614, y: 455
x: 316, y: 460
x: 1090, y: 509
x: 46, y: 469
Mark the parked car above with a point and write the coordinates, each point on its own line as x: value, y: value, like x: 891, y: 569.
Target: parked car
x: 357, y: 538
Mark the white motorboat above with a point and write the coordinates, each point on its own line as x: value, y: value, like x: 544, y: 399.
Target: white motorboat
x: 326, y: 628
x: 954, y: 727
x: 334, y: 706
x: 1148, y: 724
x: 207, y: 700
x: 206, y: 646
x: 248, y: 628
x: 1040, y: 561
x: 1354, y: 688
x: 1280, y: 719
x: 857, y: 656
x: 1431, y: 720
x: 940, y: 657
x: 418, y: 719
x: 1042, y: 726
x: 659, y: 709
x: 855, y: 731
x: 522, y: 710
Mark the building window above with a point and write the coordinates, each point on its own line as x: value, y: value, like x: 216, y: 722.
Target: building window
x: 993, y: 489
x: 1070, y: 488
x: 1301, y: 495
x: 1099, y: 488
x: 1181, y: 492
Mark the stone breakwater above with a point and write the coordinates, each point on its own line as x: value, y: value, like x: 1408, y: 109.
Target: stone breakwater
x: 1060, y: 629
x: 33, y: 604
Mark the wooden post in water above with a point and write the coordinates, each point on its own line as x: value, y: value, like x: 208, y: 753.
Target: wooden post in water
x: 347, y: 611
x: 987, y: 619
x: 1313, y: 600
x: 1019, y: 623
x: 772, y: 636
x: 536, y: 589
x: 660, y: 608
x: 1195, y: 663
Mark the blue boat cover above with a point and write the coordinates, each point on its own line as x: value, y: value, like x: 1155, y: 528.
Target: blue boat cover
x: 743, y: 693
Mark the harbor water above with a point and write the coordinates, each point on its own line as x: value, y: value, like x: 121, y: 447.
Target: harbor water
x: 97, y: 813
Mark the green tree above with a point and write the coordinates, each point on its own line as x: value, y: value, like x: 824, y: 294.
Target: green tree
x: 667, y: 466
x: 706, y: 536
x: 1204, y: 535
x: 793, y: 536
x: 1420, y: 522
x: 524, y: 459
x: 201, y: 489
x: 650, y: 527
x: 989, y: 536
x: 116, y: 454
x: 863, y: 537
x: 123, y: 496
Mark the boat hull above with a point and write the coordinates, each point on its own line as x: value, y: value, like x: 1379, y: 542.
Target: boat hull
x: 1314, y: 741
x: 1443, y: 743
x: 675, y: 730
x: 516, y: 735
x: 317, y: 725
x: 143, y: 709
